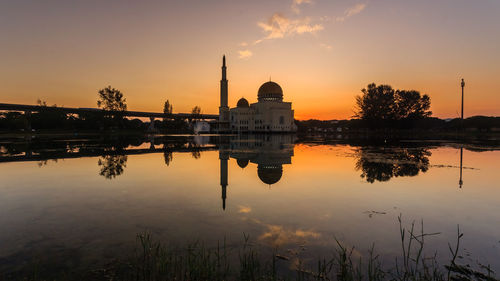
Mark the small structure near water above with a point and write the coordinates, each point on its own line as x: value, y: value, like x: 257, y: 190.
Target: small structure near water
x: 201, y: 127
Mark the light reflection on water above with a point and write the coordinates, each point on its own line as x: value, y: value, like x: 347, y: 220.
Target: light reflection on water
x: 83, y: 202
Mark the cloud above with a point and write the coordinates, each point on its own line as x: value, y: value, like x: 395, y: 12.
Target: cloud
x: 245, y: 54
x: 257, y: 41
x: 277, y: 235
x: 244, y: 209
x: 325, y: 46
x: 279, y: 26
x: 276, y: 26
x: 325, y: 18
x: 354, y: 10
x: 297, y: 3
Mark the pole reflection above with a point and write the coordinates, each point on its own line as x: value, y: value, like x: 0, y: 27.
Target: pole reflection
x: 461, y: 182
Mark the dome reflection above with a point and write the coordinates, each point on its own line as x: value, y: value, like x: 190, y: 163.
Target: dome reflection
x: 268, y: 152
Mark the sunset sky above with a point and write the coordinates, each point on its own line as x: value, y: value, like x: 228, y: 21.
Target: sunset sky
x: 322, y: 52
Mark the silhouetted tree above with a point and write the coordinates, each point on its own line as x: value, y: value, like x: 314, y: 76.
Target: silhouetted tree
x: 41, y: 102
x: 167, y: 107
x: 111, y: 99
x: 380, y: 104
x: 376, y: 103
x: 196, y: 110
x: 411, y: 105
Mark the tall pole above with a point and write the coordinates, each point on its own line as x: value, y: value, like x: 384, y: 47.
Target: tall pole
x: 463, y: 85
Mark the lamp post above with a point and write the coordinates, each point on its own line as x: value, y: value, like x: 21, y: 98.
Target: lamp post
x: 463, y: 85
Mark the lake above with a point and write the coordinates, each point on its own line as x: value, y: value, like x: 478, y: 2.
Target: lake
x: 80, y: 202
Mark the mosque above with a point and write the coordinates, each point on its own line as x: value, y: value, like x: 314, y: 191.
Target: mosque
x: 270, y: 114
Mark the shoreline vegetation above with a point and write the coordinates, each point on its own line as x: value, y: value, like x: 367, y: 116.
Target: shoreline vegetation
x: 13, y: 124
x: 472, y: 126
x: 379, y: 109
x: 321, y: 133
x: 155, y: 260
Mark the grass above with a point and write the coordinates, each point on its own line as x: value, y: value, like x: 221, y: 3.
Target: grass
x: 153, y: 260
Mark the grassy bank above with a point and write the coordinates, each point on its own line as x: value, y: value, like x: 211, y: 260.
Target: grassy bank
x: 153, y: 260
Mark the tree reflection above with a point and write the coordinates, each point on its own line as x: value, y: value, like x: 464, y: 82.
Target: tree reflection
x: 112, y: 165
x: 168, y: 157
x: 385, y: 163
x: 196, y: 154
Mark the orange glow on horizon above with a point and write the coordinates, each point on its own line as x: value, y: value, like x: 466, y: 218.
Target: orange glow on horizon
x: 322, y: 53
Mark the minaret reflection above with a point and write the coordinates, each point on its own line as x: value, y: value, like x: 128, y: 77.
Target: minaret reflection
x: 269, y: 152
x: 224, y: 157
x: 461, y: 182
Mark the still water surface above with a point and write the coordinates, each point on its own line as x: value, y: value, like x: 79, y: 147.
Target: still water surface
x: 81, y: 203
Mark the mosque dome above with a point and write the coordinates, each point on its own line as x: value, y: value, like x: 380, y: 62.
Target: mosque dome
x: 242, y: 103
x: 242, y: 162
x: 270, y: 91
x: 269, y: 174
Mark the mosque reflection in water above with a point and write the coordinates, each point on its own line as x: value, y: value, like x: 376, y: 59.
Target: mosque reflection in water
x: 377, y: 163
x: 269, y: 152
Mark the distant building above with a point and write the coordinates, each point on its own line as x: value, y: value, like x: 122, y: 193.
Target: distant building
x: 270, y: 114
x: 201, y: 127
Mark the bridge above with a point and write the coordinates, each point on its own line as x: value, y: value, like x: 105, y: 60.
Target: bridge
x: 28, y: 109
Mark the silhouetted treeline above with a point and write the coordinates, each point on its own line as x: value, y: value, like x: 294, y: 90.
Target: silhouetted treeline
x: 53, y: 120
x: 471, y: 124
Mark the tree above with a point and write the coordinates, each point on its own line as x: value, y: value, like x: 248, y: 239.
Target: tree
x: 383, y: 103
x: 196, y: 110
x: 376, y: 103
x: 167, y: 108
x: 111, y: 99
x: 412, y: 105
x: 42, y: 102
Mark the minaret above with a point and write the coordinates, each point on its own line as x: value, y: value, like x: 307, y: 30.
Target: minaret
x: 223, y: 109
x: 223, y: 85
